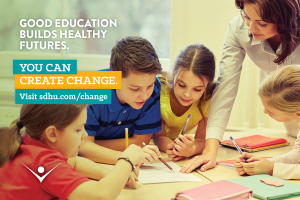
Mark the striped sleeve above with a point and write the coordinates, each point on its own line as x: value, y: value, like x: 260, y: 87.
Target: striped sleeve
x: 92, y: 122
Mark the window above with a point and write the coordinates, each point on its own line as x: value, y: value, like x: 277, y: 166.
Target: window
x: 148, y: 19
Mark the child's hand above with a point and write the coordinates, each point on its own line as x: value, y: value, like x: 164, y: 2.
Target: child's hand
x: 151, y: 153
x: 135, y: 175
x: 239, y: 167
x: 170, y: 148
x: 176, y: 158
x: 241, y: 159
x: 135, y: 154
x: 245, y: 155
x: 185, y: 146
x: 171, y: 154
x: 257, y: 165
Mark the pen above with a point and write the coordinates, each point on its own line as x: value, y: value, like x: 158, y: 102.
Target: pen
x: 134, y: 184
x: 164, y: 162
x: 185, y: 125
x: 182, y: 132
x: 237, y: 147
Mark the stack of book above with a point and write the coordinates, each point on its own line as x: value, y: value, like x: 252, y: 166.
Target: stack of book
x: 255, y: 143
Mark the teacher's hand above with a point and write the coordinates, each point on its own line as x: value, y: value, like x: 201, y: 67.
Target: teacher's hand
x: 208, y: 161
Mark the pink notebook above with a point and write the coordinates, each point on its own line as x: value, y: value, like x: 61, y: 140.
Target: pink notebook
x: 227, y: 163
x: 223, y: 189
x: 255, y: 141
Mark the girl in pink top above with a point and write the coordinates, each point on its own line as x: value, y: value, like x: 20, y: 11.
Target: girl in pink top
x: 280, y: 95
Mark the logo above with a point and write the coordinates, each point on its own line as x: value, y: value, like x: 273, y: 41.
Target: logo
x: 41, y: 170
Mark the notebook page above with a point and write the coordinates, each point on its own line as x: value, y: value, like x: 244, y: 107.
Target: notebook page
x: 228, y: 166
x: 159, y: 173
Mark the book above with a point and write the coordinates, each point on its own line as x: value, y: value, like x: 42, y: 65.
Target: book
x: 225, y: 190
x: 229, y: 164
x: 255, y: 143
x: 268, y: 192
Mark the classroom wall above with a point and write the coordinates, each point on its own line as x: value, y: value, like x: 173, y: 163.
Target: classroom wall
x: 206, y: 22
x: 192, y: 21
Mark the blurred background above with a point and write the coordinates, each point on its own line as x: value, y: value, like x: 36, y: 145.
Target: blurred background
x: 170, y: 25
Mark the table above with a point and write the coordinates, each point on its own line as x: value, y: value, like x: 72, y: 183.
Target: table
x: 224, y: 153
x: 169, y: 190
x: 158, y: 191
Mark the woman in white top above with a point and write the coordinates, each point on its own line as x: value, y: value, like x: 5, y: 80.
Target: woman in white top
x: 268, y: 31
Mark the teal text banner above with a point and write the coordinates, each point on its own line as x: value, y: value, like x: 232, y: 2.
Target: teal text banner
x: 63, y: 96
x: 44, y: 66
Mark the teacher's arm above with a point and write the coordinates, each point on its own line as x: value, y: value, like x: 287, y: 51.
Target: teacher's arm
x: 222, y: 100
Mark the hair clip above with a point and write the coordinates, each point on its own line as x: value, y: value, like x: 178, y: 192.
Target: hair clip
x: 19, y: 124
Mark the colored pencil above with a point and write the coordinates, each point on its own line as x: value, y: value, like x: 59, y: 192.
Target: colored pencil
x: 164, y: 162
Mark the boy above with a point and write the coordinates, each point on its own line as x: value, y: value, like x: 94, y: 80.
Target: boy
x: 136, y: 106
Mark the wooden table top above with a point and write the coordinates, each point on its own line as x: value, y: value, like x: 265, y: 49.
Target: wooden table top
x: 169, y: 190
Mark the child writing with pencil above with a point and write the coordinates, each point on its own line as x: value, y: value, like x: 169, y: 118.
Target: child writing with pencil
x: 187, y: 91
x: 136, y: 106
x: 280, y: 96
x: 43, y: 164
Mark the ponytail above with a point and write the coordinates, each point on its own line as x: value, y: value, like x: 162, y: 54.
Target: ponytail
x: 9, y: 143
x: 36, y: 118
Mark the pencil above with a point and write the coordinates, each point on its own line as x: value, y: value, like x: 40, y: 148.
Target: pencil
x: 164, y: 162
x: 126, y: 137
x: 134, y: 184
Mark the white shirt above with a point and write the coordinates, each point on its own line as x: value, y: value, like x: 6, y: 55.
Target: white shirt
x: 236, y: 44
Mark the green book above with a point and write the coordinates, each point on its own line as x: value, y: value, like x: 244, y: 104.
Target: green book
x: 268, y: 192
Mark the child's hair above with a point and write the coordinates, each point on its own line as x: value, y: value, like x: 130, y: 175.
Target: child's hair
x: 35, y: 118
x: 286, y: 15
x: 134, y: 54
x: 201, y: 61
x: 281, y: 89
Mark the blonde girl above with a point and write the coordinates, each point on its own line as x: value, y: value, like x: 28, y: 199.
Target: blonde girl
x: 187, y: 90
x: 280, y: 95
x: 43, y: 164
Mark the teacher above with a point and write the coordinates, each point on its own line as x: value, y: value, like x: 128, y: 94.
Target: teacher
x: 268, y: 31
